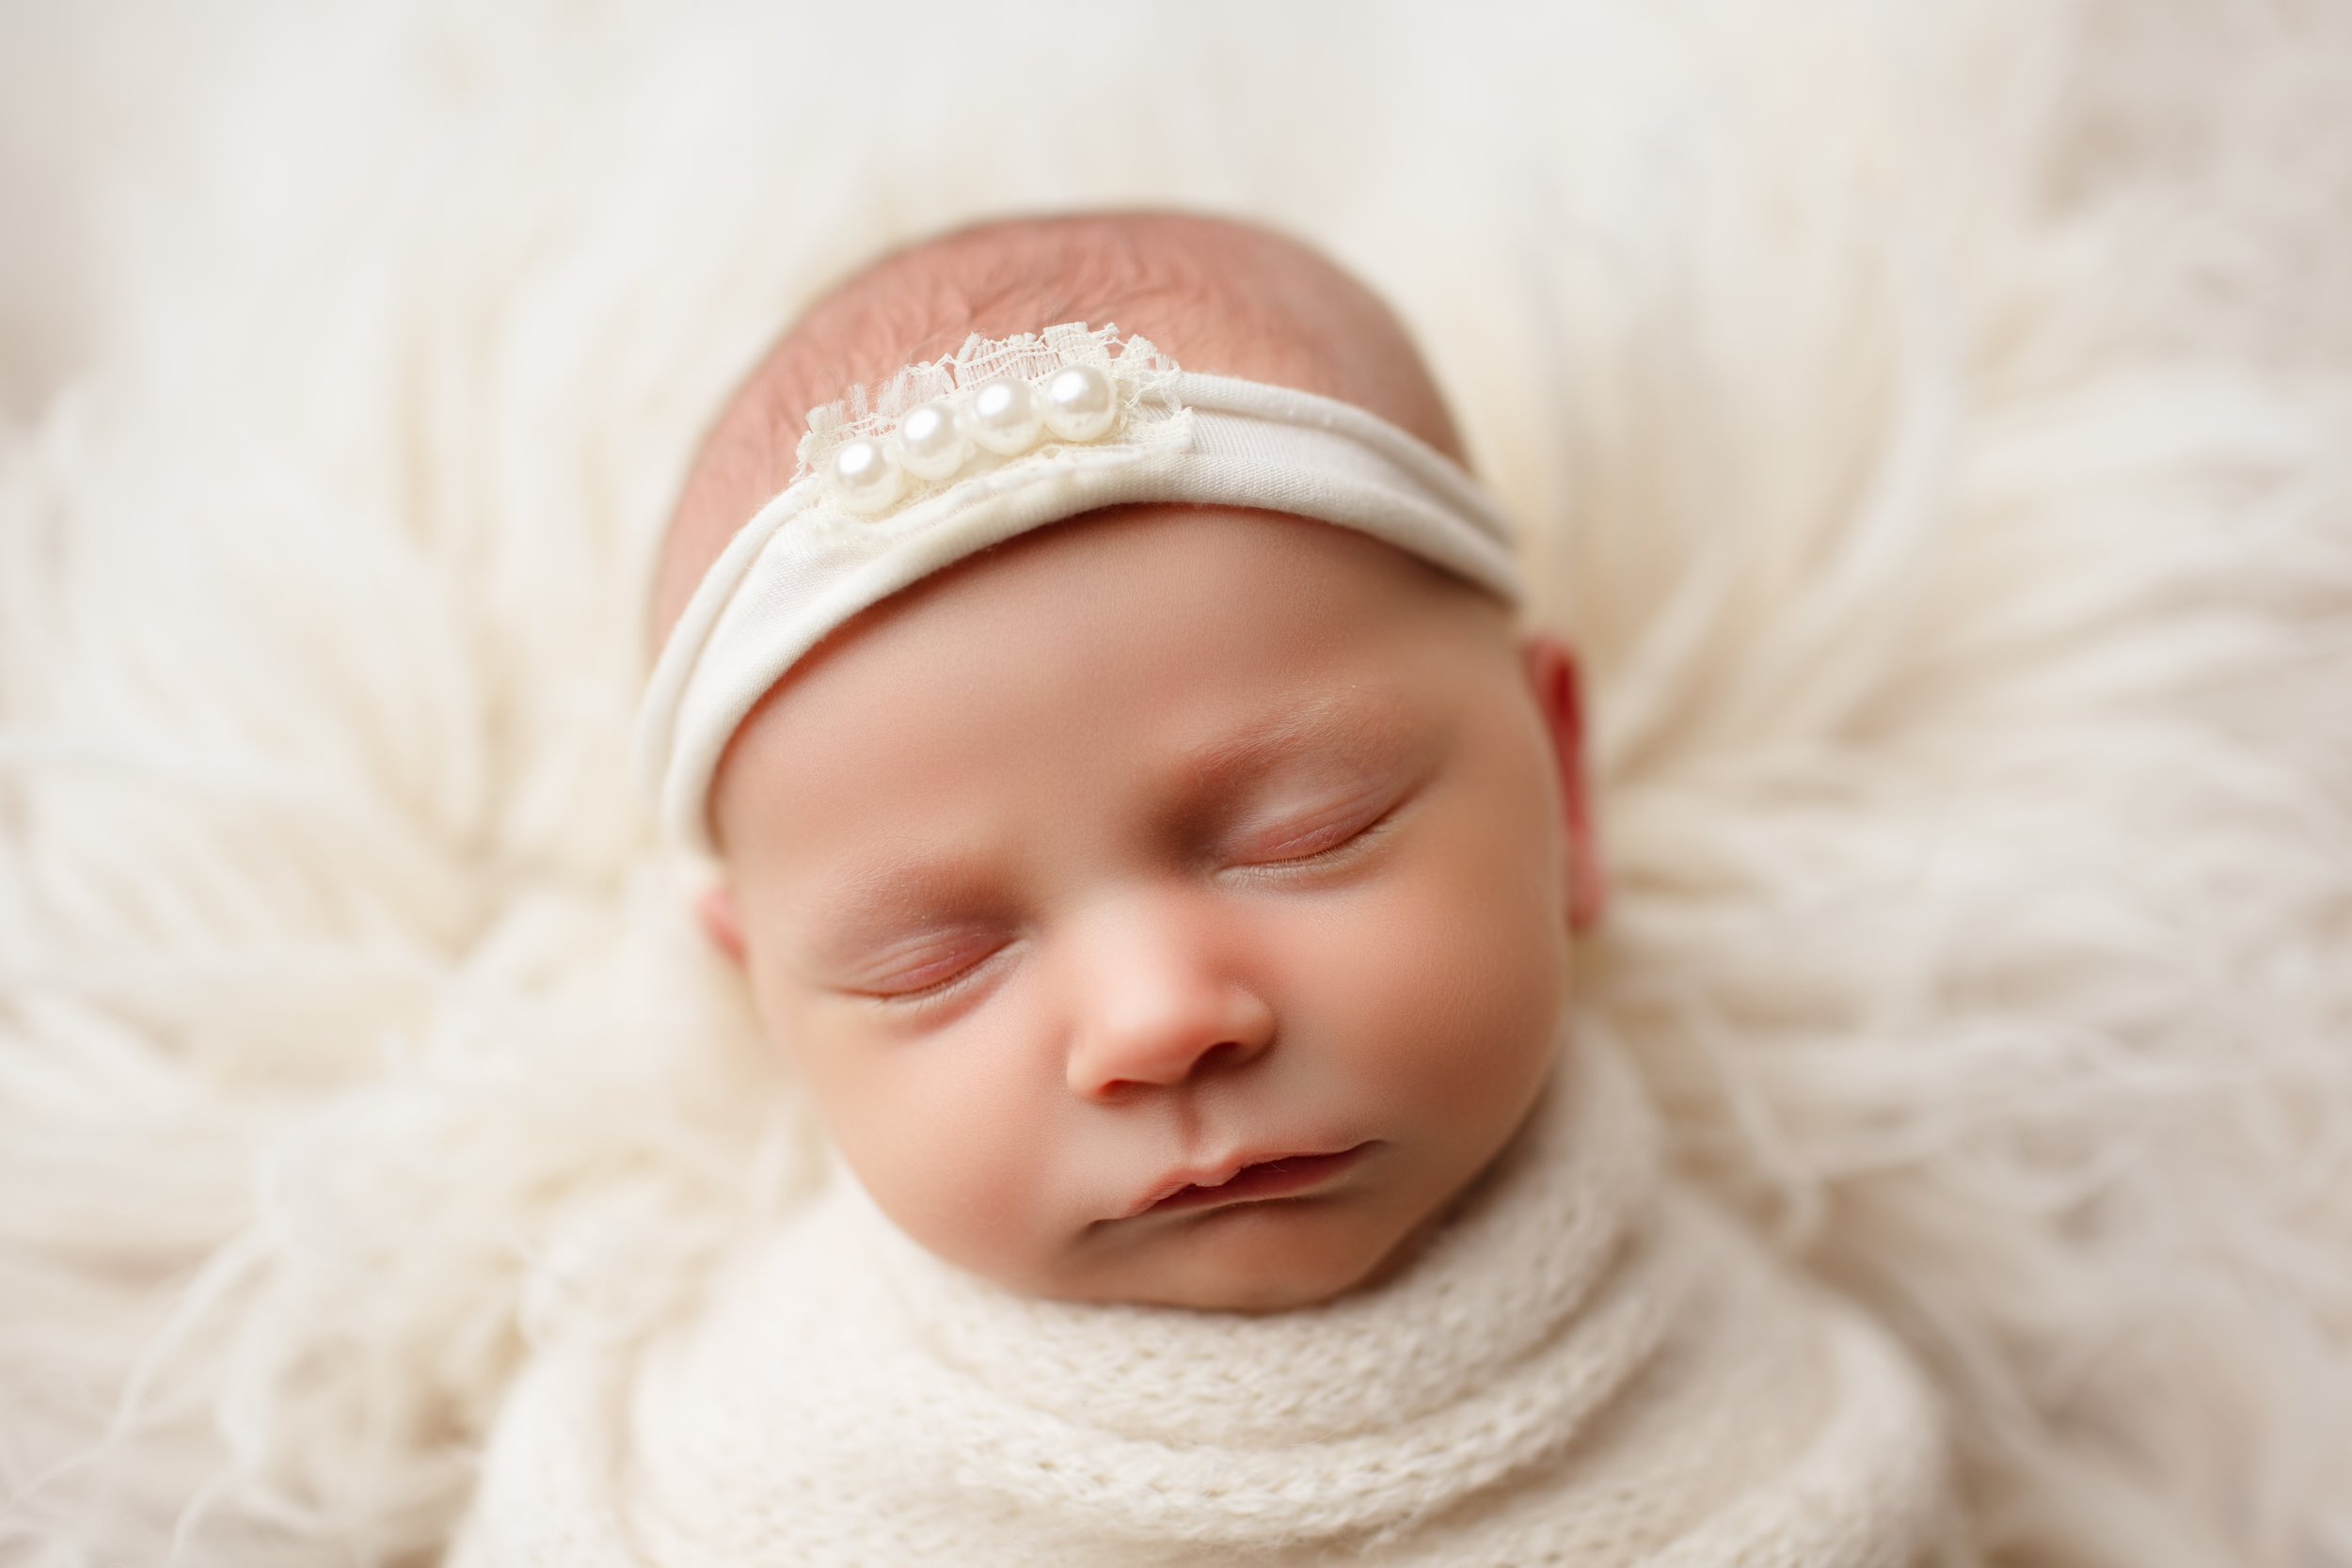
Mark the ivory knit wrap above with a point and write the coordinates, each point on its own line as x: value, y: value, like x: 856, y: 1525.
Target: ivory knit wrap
x: 1584, y: 1366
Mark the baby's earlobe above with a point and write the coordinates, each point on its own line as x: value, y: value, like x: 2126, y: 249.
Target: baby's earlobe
x: 721, y: 921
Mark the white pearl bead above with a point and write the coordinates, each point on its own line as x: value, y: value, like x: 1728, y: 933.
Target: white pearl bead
x: 933, y: 442
x: 1080, y: 402
x: 866, y: 476
x: 1006, y: 418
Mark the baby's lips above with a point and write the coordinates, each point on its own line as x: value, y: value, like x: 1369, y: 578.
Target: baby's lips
x: 1246, y: 1178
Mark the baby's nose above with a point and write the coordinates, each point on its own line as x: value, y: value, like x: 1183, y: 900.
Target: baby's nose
x: 1158, y: 1003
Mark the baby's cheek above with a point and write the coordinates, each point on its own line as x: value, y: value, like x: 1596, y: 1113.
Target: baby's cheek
x: 948, y: 1136
x: 1454, y: 983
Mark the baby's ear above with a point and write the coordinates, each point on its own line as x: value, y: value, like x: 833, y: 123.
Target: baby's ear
x: 1551, y: 676
x: 720, y: 920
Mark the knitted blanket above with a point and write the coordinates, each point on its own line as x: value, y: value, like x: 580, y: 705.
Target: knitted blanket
x: 1583, y: 1365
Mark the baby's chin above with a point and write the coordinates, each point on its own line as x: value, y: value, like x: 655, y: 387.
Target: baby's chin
x: 1259, y: 1258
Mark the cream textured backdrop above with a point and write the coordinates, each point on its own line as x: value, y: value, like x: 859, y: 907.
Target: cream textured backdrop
x: 1933, y: 419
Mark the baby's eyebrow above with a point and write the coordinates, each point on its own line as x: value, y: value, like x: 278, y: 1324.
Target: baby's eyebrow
x: 1350, y: 720
x: 879, y: 901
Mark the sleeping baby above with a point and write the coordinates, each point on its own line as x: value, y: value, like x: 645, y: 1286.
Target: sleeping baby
x: 1145, y: 828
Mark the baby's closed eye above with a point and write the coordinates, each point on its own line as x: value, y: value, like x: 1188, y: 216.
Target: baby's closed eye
x: 1322, y: 834
x: 925, y: 964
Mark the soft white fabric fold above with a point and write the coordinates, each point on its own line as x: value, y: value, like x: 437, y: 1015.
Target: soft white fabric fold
x: 805, y: 564
x: 1584, y: 1366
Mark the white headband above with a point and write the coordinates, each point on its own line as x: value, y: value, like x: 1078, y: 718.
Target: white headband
x: 1006, y: 436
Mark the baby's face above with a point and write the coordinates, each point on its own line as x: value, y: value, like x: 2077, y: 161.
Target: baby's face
x: 1166, y: 844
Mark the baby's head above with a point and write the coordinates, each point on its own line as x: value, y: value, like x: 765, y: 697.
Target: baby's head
x: 1158, y: 844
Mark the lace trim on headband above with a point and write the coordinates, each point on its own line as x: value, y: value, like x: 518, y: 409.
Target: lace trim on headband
x: 991, y: 401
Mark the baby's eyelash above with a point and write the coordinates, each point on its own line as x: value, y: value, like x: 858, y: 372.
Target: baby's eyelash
x: 1360, y: 839
x: 937, y: 989
x: 924, y: 992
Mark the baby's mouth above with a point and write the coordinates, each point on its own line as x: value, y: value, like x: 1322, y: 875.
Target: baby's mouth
x: 1284, y: 1176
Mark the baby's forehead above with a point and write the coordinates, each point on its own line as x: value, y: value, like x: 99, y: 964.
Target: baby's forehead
x: 1219, y: 296
x: 1171, y: 632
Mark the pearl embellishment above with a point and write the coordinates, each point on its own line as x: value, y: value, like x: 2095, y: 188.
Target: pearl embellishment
x: 866, y: 475
x: 1080, y: 402
x: 1006, y: 416
x: 932, y: 441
